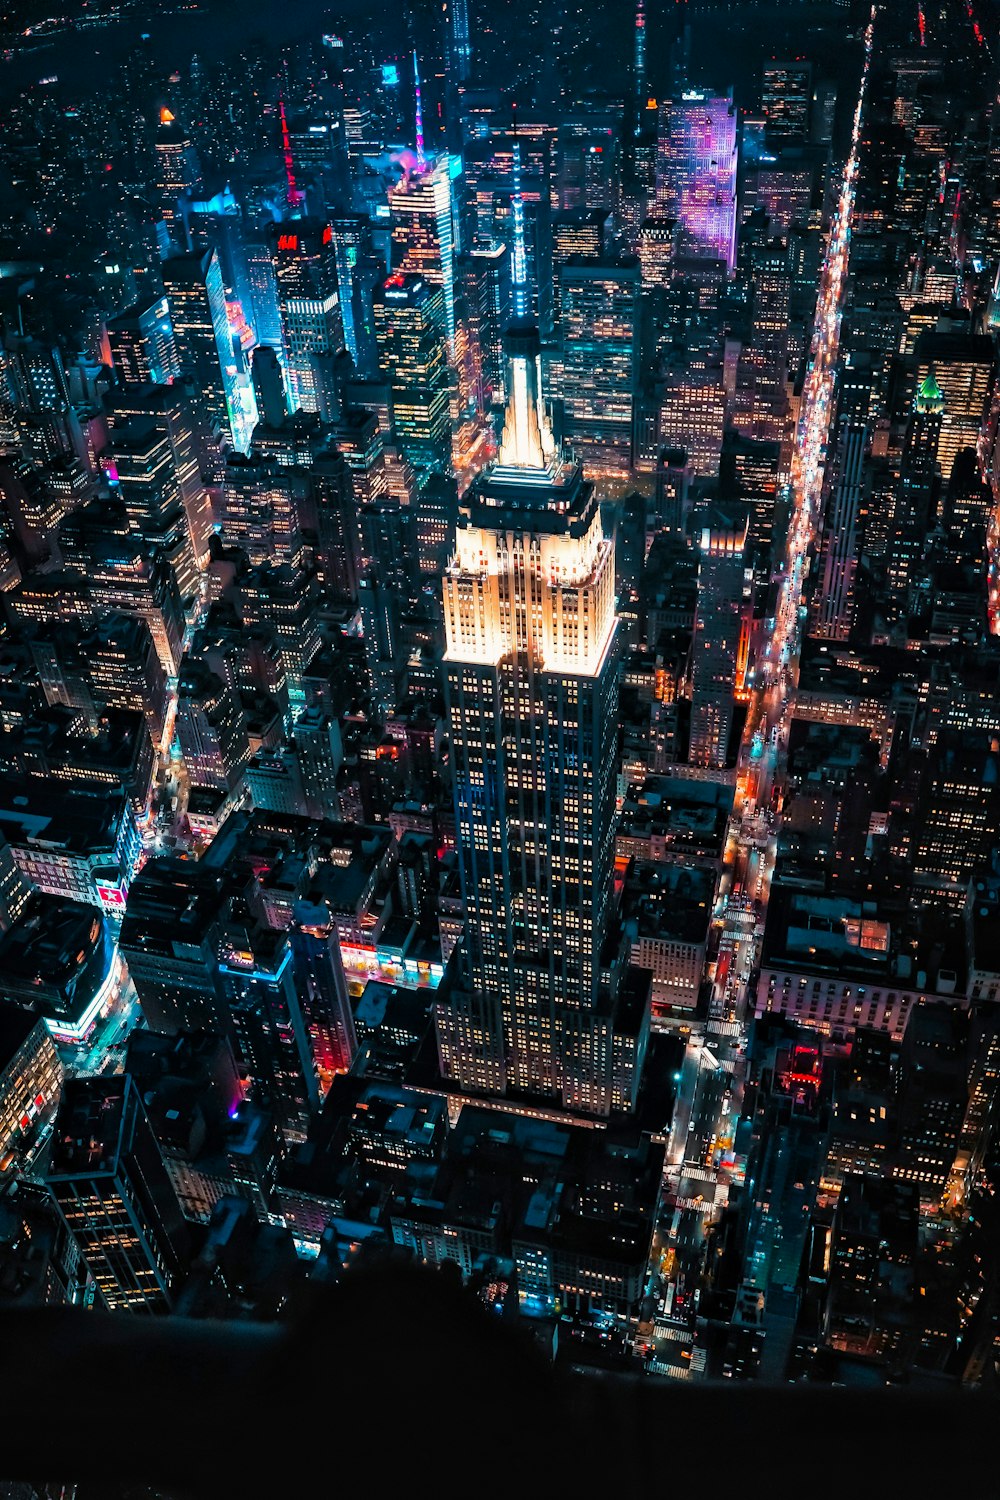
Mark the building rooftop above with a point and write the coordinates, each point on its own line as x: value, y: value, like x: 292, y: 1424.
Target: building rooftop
x: 815, y: 933
x: 56, y: 954
x: 685, y: 819
x: 82, y: 820
x: 668, y: 902
x: 88, y: 1131
x: 173, y: 905
x: 586, y: 1191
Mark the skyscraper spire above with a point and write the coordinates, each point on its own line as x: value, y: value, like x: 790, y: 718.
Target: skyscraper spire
x: 527, y: 441
x: 640, y: 62
x: 518, y: 259
x: 294, y: 194
x: 421, y: 158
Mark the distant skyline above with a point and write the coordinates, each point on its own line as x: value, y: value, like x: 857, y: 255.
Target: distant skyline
x: 723, y: 55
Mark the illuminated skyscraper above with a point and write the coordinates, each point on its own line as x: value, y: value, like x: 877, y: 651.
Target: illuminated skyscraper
x: 266, y: 1009
x: 717, y: 631
x: 786, y: 97
x: 211, y: 731
x: 576, y: 235
x: 639, y: 66
x: 587, y: 161
x: 460, y: 50
x: 167, y: 406
x: 487, y: 291
x: 423, y: 231
x: 657, y: 240
x: 352, y: 248
x: 964, y: 370
x: 696, y: 170
x: 473, y: 438
x: 205, y: 347
x: 412, y: 353
x: 532, y: 692
x: 767, y: 353
x: 262, y: 310
x: 305, y: 267
x: 457, y: 57
x: 600, y: 327
x: 177, y: 169
x: 142, y: 344
x: 147, y: 481
x: 693, y: 416
x: 917, y: 492
x: 269, y: 386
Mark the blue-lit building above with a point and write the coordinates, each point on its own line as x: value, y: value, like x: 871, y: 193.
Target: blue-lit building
x: 206, y: 345
x: 143, y: 348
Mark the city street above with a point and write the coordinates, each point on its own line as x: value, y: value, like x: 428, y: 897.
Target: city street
x: 700, y: 1160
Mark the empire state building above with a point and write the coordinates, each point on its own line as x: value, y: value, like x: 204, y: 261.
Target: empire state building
x: 531, y: 679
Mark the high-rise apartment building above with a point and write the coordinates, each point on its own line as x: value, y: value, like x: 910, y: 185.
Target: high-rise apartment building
x: 531, y: 683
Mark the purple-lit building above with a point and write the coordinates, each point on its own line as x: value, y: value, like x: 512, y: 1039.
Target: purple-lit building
x: 696, y: 159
